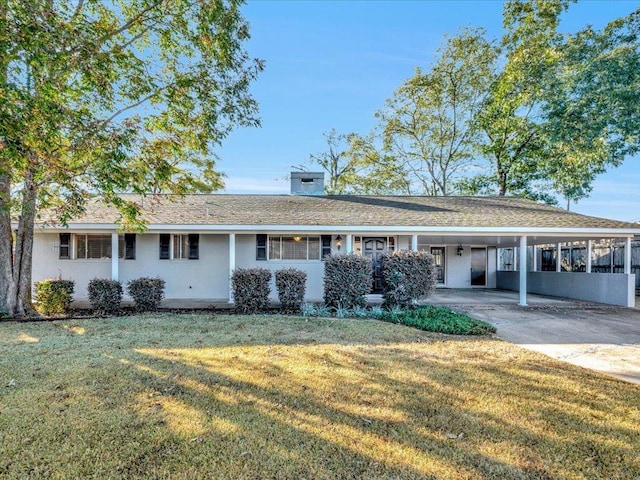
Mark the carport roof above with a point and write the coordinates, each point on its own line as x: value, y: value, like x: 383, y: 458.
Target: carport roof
x: 385, y: 212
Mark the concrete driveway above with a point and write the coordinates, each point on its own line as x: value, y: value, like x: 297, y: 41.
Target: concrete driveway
x: 599, y: 337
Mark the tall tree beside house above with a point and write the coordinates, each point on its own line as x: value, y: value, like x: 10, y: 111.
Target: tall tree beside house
x: 354, y: 165
x: 563, y: 109
x: 429, y: 125
x: 98, y: 98
x: 512, y: 141
x: 592, y: 105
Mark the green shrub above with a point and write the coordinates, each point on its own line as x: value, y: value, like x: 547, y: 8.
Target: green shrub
x: 105, y: 294
x: 147, y: 292
x: 441, y: 320
x: 347, y: 279
x: 313, y: 310
x: 251, y: 289
x: 408, y: 276
x: 54, y: 295
x: 291, y: 284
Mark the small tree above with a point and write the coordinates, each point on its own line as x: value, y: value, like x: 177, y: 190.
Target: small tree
x: 251, y: 289
x: 347, y: 279
x: 291, y: 285
x: 408, y: 276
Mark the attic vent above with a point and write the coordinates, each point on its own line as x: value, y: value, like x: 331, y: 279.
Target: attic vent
x: 307, y: 183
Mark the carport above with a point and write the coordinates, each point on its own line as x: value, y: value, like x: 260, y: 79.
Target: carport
x: 525, y: 276
x: 600, y: 337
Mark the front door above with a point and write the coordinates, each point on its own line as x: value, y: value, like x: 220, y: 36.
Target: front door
x: 478, y: 267
x: 374, y: 248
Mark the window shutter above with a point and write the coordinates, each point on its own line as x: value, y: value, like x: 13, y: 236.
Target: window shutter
x: 261, y: 247
x: 64, y: 246
x: 326, y: 245
x: 165, y: 242
x: 130, y: 246
x: 194, y: 246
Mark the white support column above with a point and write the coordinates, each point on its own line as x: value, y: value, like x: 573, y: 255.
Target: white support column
x: 114, y: 257
x: 627, y: 256
x: 349, y: 246
x: 414, y: 243
x: 559, y: 257
x: 523, y: 271
x: 589, y: 250
x: 232, y: 262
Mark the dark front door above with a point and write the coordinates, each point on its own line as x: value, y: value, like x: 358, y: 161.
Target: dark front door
x: 478, y: 267
x: 374, y: 248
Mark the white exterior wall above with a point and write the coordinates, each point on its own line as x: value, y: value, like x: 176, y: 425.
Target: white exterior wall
x: 458, y: 268
x: 492, y: 264
x: 404, y: 242
x: 206, y: 277
x: 246, y: 258
x: 47, y: 264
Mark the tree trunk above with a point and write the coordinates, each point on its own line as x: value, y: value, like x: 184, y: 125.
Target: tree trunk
x: 15, y: 266
x: 24, y: 248
x: 8, y: 287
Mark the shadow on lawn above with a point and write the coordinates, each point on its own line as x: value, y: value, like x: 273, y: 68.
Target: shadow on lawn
x: 385, y: 411
x: 286, y: 398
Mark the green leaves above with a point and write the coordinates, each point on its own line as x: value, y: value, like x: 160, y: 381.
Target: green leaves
x: 429, y: 125
x: 123, y: 96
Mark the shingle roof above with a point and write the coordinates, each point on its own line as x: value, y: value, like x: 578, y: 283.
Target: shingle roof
x: 349, y: 210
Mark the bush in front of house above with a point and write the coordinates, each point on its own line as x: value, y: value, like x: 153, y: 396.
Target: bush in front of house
x: 347, y: 279
x: 291, y: 284
x: 105, y: 294
x: 54, y: 295
x: 251, y: 289
x: 408, y: 276
x: 147, y: 292
x: 439, y: 319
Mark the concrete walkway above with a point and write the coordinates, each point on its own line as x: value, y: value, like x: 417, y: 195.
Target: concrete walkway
x: 599, y: 337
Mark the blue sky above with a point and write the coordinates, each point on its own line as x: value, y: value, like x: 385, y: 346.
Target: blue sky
x: 333, y: 64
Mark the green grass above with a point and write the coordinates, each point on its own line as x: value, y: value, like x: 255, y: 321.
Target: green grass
x: 441, y: 320
x: 194, y: 396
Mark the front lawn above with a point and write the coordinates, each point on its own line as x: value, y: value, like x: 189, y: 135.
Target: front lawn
x: 195, y: 396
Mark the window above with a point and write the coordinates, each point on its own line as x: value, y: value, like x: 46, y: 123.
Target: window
x: 93, y: 246
x: 179, y: 246
x: 64, y: 246
x: 294, y: 248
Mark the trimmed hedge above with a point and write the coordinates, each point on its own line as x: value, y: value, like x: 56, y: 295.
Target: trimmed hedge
x: 408, y: 276
x: 291, y: 285
x: 347, y: 279
x: 251, y: 289
x: 105, y: 294
x: 441, y: 320
x: 54, y: 295
x: 147, y: 292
